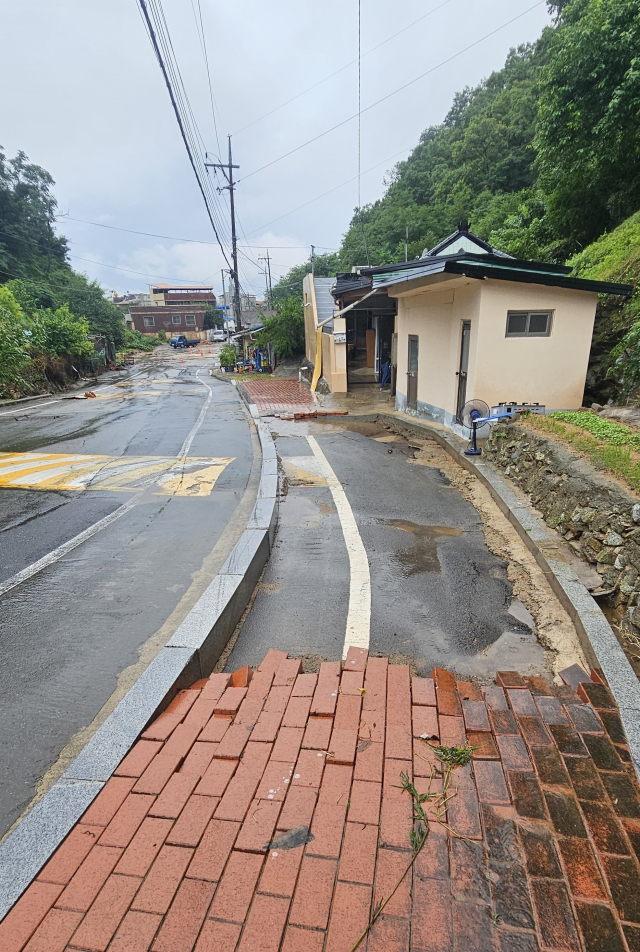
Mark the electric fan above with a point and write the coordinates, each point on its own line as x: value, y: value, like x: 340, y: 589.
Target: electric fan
x: 474, y: 414
x: 473, y: 411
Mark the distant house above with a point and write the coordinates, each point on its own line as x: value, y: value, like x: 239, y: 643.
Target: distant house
x: 174, y: 309
x: 467, y: 320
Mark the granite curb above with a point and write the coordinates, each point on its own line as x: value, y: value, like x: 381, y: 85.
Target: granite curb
x: 190, y: 654
x: 602, y: 648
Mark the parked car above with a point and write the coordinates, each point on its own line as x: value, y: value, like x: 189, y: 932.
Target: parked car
x: 180, y: 340
x: 219, y: 336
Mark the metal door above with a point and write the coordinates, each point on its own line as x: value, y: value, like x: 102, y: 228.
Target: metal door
x: 464, y: 367
x: 412, y: 374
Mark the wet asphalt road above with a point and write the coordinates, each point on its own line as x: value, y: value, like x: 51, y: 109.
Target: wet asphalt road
x: 438, y: 595
x: 68, y: 632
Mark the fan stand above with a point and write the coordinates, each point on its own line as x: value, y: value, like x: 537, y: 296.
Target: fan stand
x: 473, y: 449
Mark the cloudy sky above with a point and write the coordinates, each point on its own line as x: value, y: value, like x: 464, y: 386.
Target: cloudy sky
x: 84, y: 98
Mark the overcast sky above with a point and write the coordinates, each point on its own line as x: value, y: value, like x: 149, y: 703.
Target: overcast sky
x: 85, y: 99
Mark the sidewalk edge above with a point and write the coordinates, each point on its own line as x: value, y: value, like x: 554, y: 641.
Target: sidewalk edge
x: 190, y: 654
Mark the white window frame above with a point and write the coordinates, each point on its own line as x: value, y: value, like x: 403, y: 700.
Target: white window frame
x: 526, y: 332
x: 149, y: 322
x: 176, y: 319
x: 190, y: 320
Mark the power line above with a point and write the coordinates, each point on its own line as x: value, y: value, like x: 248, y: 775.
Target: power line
x: 364, y: 240
x: 195, y: 241
x: 338, y: 125
x: 203, y: 44
x: 168, y: 66
x: 100, y: 264
x: 342, y: 68
x: 329, y: 191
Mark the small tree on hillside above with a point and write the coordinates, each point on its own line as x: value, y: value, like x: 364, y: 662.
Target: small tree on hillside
x: 285, y: 330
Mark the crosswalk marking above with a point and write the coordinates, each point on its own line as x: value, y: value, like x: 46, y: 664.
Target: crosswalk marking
x: 188, y: 476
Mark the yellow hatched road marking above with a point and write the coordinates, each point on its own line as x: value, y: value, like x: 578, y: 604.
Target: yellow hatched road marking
x: 190, y: 476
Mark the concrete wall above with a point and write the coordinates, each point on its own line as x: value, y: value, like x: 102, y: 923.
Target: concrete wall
x: 310, y: 325
x: 334, y: 359
x: 435, y: 317
x: 549, y: 370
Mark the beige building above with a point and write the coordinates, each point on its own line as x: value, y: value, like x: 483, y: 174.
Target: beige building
x: 473, y: 322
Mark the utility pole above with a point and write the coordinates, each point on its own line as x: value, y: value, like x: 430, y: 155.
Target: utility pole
x: 406, y: 243
x: 224, y: 312
x: 228, y: 174
x: 267, y: 274
x: 313, y: 258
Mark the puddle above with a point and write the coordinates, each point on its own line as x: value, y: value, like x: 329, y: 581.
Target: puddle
x: 302, y: 471
x: 423, y: 556
x: 511, y: 651
x: 298, y: 510
x: 521, y: 613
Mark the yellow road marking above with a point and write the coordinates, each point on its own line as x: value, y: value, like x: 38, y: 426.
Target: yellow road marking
x: 192, y: 476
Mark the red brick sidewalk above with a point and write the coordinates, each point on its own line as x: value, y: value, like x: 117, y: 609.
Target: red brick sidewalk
x: 177, y: 851
x: 279, y: 394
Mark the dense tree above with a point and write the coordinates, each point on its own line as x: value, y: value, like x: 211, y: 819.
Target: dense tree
x: 291, y: 284
x: 33, y: 259
x: 588, y: 126
x: 28, y: 244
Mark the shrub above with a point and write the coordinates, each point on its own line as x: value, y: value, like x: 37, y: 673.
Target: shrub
x: 228, y: 356
x: 285, y: 330
x: 61, y: 334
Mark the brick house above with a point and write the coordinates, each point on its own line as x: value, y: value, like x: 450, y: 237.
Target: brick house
x: 174, y: 310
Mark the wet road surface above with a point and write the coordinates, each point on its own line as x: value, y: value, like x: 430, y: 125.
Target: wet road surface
x: 69, y: 631
x: 438, y: 594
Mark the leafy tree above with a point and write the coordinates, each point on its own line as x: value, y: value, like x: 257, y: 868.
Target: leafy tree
x: 213, y: 317
x: 588, y: 126
x: 285, y: 330
x: 28, y: 245
x: 61, y: 334
x: 14, y: 355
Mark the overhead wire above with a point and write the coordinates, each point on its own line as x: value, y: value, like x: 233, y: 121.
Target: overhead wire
x: 394, y: 92
x: 330, y: 190
x: 342, y: 68
x: 159, y: 38
x: 203, y: 46
x: 364, y: 240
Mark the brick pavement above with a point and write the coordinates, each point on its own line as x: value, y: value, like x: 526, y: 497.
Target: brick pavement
x: 278, y: 394
x: 184, y: 848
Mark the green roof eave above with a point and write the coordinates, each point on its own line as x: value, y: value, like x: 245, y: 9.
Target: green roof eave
x: 500, y: 270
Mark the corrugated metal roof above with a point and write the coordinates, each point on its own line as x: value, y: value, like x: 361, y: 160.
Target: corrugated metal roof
x: 324, y: 301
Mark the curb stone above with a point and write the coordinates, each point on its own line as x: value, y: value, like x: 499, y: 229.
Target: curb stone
x: 601, y: 647
x: 190, y: 654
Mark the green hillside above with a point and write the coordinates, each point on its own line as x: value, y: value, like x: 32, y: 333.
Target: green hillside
x: 614, y: 370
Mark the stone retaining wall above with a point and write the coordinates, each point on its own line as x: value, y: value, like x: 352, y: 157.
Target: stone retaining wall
x: 599, y: 520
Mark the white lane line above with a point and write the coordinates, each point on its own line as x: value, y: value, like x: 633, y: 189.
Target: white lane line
x: 39, y: 406
x: 359, y: 616
x: 66, y: 547
x: 186, y: 446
